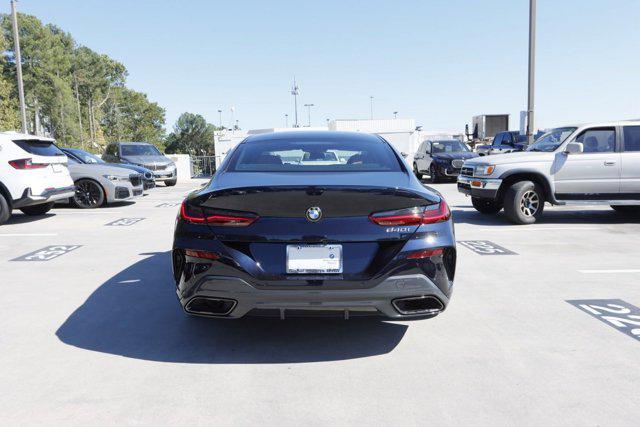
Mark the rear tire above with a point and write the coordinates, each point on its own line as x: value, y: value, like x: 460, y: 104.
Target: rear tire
x: 5, y: 210
x: 171, y: 183
x: 416, y: 173
x: 35, y: 210
x: 627, y: 209
x: 486, y: 206
x: 524, y: 202
x: 89, y: 194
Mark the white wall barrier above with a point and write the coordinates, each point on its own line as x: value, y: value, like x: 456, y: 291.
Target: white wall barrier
x: 183, y: 164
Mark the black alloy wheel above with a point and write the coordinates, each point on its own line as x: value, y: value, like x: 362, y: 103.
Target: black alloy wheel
x: 89, y: 194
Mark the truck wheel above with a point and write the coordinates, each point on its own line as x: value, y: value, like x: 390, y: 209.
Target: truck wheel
x: 415, y: 171
x: 5, y: 210
x: 35, y: 210
x: 627, y: 209
x: 524, y: 202
x: 171, y: 182
x: 486, y: 206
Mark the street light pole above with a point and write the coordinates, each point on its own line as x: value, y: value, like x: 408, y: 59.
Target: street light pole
x: 286, y: 120
x: 395, y: 114
x: 309, y: 113
x: 532, y: 71
x: 295, y: 91
x: 18, y: 58
x: 220, y: 115
x: 233, y: 117
x: 371, y: 106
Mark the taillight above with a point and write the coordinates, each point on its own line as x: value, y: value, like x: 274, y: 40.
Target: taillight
x: 414, y: 216
x: 201, y: 216
x: 27, y: 164
x: 436, y: 213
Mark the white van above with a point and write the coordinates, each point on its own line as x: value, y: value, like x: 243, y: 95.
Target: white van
x: 33, y: 174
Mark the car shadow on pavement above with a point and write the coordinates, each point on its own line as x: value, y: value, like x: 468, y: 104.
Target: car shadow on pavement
x: 20, y: 218
x: 136, y: 314
x: 549, y: 216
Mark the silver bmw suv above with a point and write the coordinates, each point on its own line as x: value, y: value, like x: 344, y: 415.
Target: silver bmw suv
x: 596, y: 163
x: 145, y: 155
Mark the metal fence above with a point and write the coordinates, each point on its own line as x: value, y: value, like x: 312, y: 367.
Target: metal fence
x: 203, y: 166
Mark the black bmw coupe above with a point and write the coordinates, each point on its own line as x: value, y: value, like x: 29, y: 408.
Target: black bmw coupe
x: 314, y: 223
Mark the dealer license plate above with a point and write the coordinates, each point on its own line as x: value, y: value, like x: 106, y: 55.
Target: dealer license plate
x: 314, y: 259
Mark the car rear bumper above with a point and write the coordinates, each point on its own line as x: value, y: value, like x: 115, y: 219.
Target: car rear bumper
x: 47, y: 196
x: 386, y: 299
x: 484, y: 188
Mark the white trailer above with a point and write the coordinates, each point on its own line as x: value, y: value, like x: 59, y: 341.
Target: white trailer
x: 401, y: 133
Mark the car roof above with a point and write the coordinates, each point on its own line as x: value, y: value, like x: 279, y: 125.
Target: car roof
x: 322, y: 135
x: 132, y: 143
x: 630, y: 122
x: 18, y: 135
x: 73, y: 150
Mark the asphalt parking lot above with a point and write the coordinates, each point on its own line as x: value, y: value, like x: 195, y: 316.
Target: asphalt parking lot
x: 91, y: 331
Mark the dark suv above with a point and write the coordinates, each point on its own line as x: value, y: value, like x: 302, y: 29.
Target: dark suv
x: 145, y: 155
x: 503, y: 142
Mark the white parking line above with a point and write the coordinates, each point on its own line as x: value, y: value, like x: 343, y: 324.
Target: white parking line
x: 627, y: 271
x: 525, y: 228
x: 85, y: 212
x: 28, y: 234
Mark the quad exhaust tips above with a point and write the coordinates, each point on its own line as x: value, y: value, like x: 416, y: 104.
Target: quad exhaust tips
x: 418, y: 305
x: 202, y: 306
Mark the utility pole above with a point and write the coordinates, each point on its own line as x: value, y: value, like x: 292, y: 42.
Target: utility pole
x: 309, y: 113
x: 220, y: 116
x: 295, y: 91
x: 371, y: 106
x: 18, y: 58
x: 532, y: 71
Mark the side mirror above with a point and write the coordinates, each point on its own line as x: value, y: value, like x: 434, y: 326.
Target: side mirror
x: 574, y: 148
x: 404, y: 154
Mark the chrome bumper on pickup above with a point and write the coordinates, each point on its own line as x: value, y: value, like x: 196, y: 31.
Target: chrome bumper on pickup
x: 486, y: 188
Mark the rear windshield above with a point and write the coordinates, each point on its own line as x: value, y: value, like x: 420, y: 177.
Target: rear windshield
x: 87, y: 157
x: 288, y: 155
x: 139, y: 150
x: 38, y: 147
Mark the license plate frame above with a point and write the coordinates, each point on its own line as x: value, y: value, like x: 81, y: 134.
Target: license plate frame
x: 314, y: 259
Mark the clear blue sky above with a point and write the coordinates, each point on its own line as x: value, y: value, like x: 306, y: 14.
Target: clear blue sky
x: 438, y: 61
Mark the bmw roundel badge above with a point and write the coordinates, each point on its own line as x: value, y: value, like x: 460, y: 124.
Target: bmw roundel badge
x: 314, y: 214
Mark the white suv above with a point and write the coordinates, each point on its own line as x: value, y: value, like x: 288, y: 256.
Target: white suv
x: 33, y: 174
x: 596, y: 163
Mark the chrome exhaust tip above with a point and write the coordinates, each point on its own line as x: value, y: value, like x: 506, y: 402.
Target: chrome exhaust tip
x: 205, y: 306
x: 424, y: 304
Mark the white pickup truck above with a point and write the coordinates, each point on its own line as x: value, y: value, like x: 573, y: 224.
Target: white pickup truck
x: 596, y: 163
